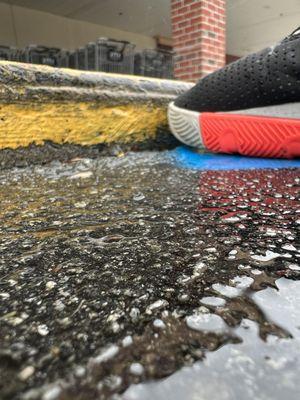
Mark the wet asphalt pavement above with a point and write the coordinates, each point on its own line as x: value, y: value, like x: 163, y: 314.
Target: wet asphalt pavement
x: 118, y: 272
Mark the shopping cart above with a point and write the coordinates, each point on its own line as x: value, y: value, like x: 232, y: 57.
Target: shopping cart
x: 114, y: 56
x: 155, y: 63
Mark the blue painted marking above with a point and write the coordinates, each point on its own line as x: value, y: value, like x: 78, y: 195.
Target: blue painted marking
x: 186, y: 157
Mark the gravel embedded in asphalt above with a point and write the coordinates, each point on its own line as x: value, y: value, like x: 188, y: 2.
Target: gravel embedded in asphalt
x: 104, y: 263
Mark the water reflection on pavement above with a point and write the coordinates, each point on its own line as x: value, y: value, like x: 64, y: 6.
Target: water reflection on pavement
x: 131, y: 277
x: 252, y: 369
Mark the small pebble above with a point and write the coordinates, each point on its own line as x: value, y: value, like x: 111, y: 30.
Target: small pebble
x: 199, y: 268
x: 79, y: 371
x: 134, y: 314
x: 138, y: 197
x: 294, y: 267
x: 156, y: 306
x: 82, y: 175
x: 52, y: 393
x: 211, y: 250
x: 183, y: 298
x: 43, y: 330
x: 136, y: 369
x: 256, y: 272
x: 289, y: 247
x: 50, y: 285
x: 206, y: 322
x: 127, y: 341
x: 242, y: 282
x: 26, y: 373
x: 271, y: 232
x: 226, y: 290
x: 158, y: 323
x: 107, y: 354
x: 231, y: 220
x: 80, y: 204
x: 213, y: 301
x: 270, y: 255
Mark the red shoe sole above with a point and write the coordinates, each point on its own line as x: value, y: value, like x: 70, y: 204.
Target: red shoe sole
x: 250, y: 135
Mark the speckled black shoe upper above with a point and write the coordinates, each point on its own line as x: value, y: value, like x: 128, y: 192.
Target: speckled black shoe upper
x: 269, y: 77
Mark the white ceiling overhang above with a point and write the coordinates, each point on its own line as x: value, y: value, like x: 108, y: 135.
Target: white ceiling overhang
x: 251, y: 24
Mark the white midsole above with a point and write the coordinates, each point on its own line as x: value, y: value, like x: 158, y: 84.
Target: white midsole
x: 185, y: 125
x: 289, y: 110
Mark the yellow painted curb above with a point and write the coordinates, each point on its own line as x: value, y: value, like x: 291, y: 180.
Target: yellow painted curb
x: 78, y: 123
x: 39, y: 103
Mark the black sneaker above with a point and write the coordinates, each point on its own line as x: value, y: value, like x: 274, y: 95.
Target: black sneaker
x: 250, y: 107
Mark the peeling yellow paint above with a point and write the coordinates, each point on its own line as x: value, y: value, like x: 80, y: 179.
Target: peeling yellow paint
x: 79, y: 123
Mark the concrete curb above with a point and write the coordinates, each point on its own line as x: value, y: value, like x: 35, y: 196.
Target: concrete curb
x: 41, y: 104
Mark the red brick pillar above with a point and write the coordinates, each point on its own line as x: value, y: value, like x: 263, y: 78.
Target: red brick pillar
x: 198, y: 37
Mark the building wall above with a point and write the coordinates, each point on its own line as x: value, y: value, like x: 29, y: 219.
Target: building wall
x: 199, y: 28
x: 21, y: 26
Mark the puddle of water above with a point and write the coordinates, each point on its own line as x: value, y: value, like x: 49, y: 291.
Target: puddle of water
x: 213, y: 301
x: 206, y: 323
x: 253, y: 369
x: 282, y: 306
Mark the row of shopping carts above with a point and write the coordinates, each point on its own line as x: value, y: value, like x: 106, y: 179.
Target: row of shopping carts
x: 105, y: 54
x: 36, y: 55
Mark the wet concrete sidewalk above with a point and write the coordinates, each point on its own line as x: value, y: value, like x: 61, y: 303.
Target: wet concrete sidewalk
x: 116, y: 273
